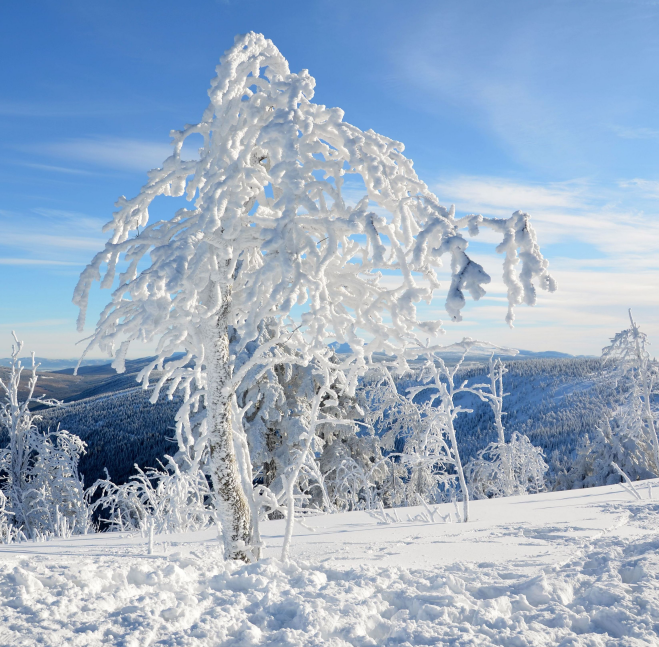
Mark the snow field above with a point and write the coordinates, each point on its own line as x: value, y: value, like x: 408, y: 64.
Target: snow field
x: 566, y: 568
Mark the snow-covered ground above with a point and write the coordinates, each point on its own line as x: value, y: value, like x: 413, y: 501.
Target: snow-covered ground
x: 564, y: 568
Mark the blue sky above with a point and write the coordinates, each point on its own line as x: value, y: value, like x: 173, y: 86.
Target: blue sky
x: 549, y: 107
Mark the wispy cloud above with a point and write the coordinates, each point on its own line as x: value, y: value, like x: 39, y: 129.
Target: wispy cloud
x: 66, y: 218
x: 607, y: 218
x: 56, y: 169
x: 32, y: 241
x: 503, y: 196
x: 627, y: 132
x: 647, y: 188
x: 41, y: 323
x: 108, y: 152
x: 62, y: 109
x: 34, y: 261
x: 49, y: 237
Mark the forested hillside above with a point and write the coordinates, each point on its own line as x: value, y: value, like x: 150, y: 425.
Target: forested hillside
x: 553, y: 401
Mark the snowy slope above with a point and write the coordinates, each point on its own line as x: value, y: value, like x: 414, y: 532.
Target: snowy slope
x: 563, y: 568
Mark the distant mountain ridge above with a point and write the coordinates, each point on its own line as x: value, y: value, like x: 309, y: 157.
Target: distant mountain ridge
x: 482, y: 353
x: 47, y: 364
x: 68, y: 365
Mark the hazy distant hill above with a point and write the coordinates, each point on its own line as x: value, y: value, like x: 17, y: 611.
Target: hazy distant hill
x: 54, y: 364
x: 90, y: 380
x: 479, y: 354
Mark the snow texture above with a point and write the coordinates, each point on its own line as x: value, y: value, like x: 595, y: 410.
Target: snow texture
x: 566, y: 568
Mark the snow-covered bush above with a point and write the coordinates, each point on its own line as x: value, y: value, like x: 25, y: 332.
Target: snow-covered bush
x: 616, y: 440
x: 626, y: 435
x: 420, y: 424
x: 504, y: 468
x: 635, y: 422
x: 411, y: 455
x: 507, y: 469
x: 273, y: 234
x: 168, y: 500
x: 39, y: 477
x: 443, y: 407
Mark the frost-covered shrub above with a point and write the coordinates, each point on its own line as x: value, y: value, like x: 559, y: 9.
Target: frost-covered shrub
x: 615, y: 440
x: 503, y: 468
x: 410, y: 455
x: 53, y: 493
x: 626, y: 434
x: 38, y: 470
x: 635, y: 422
x: 169, y: 498
x: 507, y: 469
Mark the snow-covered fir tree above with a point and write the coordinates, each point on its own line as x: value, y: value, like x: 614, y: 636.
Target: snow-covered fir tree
x: 272, y: 234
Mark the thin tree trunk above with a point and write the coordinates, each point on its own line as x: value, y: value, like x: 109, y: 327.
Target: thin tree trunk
x: 496, y: 387
x: 230, y: 500
x: 458, y: 466
x: 291, y: 478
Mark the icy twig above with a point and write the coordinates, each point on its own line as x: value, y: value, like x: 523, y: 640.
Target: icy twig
x: 631, y: 489
x: 151, y: 529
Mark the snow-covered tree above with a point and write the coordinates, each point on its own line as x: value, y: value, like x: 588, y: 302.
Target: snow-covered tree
x: 503, y: 468
x: 614, y: 441
x: 409, y: 455
x: 39, y: 477
x: 626, y: 437
x: 507, y: 469
x: 444, y: 407
x: 628, y: 353
x: 272, y: 233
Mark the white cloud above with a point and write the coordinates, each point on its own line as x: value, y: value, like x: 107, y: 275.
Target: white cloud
x: 34, y: 261
x: 49, y: 237
x: 636, y: 132
x: 57, y: 169
x: 41, y: 323
x: 501, y: 196
x: 647, y: 188
x: 574, y: 212
x: 108, y: 152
